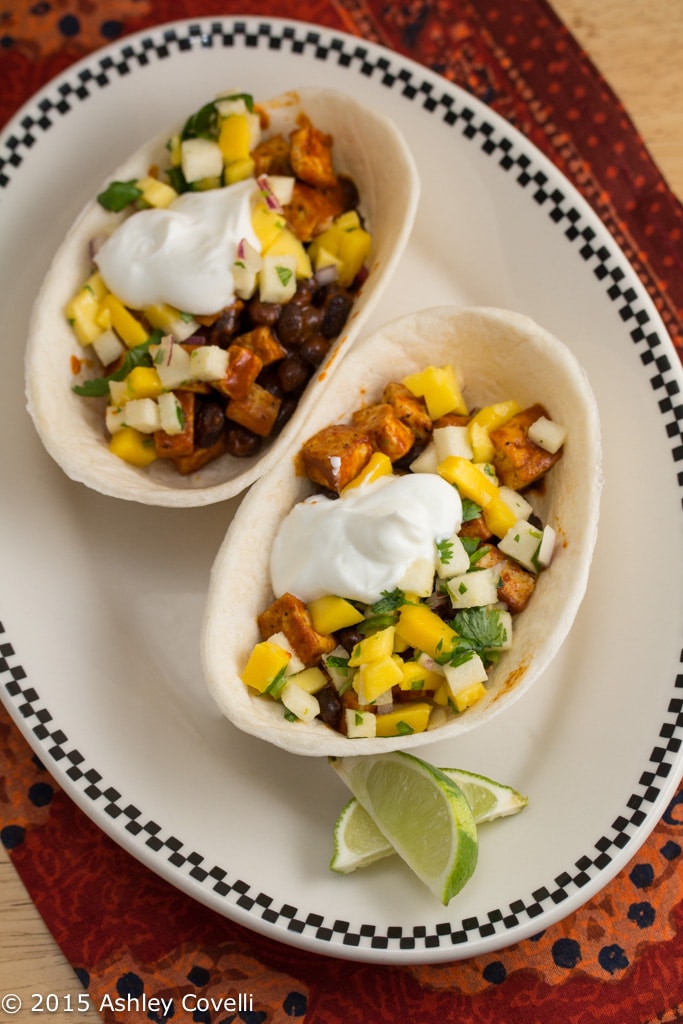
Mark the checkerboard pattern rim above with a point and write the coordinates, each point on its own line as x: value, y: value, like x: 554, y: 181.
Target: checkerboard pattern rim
x: 474, y: 124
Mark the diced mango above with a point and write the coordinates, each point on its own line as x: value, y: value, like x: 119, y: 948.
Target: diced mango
x: 354, y: 249
x: 174, y: 148
x: 238, y: 170
x: 424, y: 630
x: 378, y: 645
x: 267, y: 224
x: 469, y: 696
x: 499, y: 517
x: 133, y: 447
x: 419, y: 677
x: 143, y: 382
x: 234, y: 138
x: 114, y: 314
x: 404, y: 720
x: 379, y: 465
x: 157, y: 193
x: 170, y: 320
x: 286, y: 243
x: 439, y: 388
x: 266, y: 661
x: 331, y: 613
x: 483, y: 422
x: 376, y: 677
x: 82, y: 310
x: 471, y: 482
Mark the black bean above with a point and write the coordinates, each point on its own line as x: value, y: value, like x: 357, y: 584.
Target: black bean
x: 349, y: 637
x: 263, y: 314
x: 314, y: 349
x: 330, y: 706
x: 227, y: 326
x: 209, y: 423
x: 290, y: 325
x: 336, y: 312
x: 292, y: 372
x: 285, y: 412
x: 241, y: 442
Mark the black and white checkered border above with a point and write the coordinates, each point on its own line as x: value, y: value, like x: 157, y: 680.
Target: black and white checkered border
x: 514, y: 157
x: 55, y: 745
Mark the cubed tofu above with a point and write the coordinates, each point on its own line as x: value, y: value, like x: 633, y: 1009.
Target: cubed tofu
x: 272, y: 156
x: 336, y: 455
x: 243, y: 368
x: 409, y: 408
x: 257, y: 410
x: 386, y: 431
x: 518, y: 461
x: 199, y: 457
x: 262, y: 341
x: 311, y: 156
x: 289, y: 615
x: 171, y: 445
x: 516, y: 584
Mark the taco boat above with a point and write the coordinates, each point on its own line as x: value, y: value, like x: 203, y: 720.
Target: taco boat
x: 374, y: 170
x: 497, y: 356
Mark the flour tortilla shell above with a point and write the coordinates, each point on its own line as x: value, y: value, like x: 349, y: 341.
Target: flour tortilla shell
x: 369, y: 148
x: 498, y: 355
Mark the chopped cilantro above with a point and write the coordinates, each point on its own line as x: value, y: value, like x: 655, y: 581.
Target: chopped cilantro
x: 403, y: 729
x: 118, y: 195
x: 479, y: 630
x: 278, y: 684
x: 284, y: 273
x: 470, y: 510
x: 390, y: 601
x: 445, y: 550
x: 98, y: 387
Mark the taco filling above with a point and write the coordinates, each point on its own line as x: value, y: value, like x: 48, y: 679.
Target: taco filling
x: 225, y: 280
x: 398, y: 581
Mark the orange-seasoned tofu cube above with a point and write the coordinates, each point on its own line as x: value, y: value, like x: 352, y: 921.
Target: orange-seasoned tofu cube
x: 386, y: 431
x: 257, y: 410
x: 517, y: 460
x: 290, y: 616
x: 171, y: 446
x: 186, y: 464
x: 410, y: 409
x: 244, y: 367
x: 312, y: 210
x: 263, y: 343
x: 272, y: 157
x: 335, y: 456
x: 310, y: 152
x: 516, y: 584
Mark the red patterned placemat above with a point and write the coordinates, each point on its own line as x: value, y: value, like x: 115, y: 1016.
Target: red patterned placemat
x: 132, y: 937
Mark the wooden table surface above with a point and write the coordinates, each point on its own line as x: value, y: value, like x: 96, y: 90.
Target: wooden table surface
x: 636, y: 44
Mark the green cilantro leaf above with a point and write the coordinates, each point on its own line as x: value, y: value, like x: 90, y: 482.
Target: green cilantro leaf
x: 118, y: 195
x: 445, y: 550
x: 98, y: 387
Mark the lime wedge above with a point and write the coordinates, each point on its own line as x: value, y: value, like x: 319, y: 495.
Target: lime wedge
x: 421, y: 812
x: 358, y: 842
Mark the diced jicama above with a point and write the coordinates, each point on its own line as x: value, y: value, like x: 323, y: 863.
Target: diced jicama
x: 547, y: 434
x: 467, y: 673
x: 201, y: 158
x: 108, y: 347
x: 209, y: 362
x: 522, y: 542
x: 171, y: 416
x: 142, y: 414
x: 360, y: 724
x: 302, y: 704
x: 452, y: 440
x: 474, y: 589
x: 427, y: 461
x: 452, y: 558
x: 172, y: 362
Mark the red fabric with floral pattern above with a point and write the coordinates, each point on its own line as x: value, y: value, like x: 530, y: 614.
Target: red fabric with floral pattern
x: 620, y: 957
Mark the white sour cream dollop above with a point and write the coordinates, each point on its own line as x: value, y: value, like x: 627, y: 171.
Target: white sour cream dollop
x: 181, y: 255
x: 362, y: 544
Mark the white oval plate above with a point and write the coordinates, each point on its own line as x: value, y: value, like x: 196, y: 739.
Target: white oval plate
x: 101, y: 600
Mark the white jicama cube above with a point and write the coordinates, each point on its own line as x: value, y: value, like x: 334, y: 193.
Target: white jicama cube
x: 418, y: 578
x: 546, y: 549
x: 118, y: 392
x: 474, y: 589
x: 208, y: 362
x: 142, y: 414
x: 172, y: 363
x: 360, y: 724
x: 515, y: 501
x: 200, y: 158
x: 282, y: 187
x: 295, y: 663
x: 254, y: 130
x: 468, y: 673
x: 302, y: 704
x: 547, y: 434
x: 245, y: 269
x: 427, y: 461
x: 451, y: 557
x: 114, y: 419
x: 452, y: 440
x: 108, y: 347
x: 278, y: 278
x: 336, y: 666
x: 430, y: 664
x: 171, y: 416
x: 505, y: 619
x: 231, y: 102
x: 522, y: 542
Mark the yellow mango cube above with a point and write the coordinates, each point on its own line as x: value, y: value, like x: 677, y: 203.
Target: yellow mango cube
x: 133, y: 447
x: 82, y: 310
x: 424, y: 630
x: 238, y: 170
x: 114, y: 314
x: 286, y: 243
x: 143, y: 382
x: 353, y: 250
x: 309, y: 679
x: 378, y: 645
x: 499, y: 517
x: 469, y: 696
x: 439, y: 388
x: 331, y: 613
x: 419, y: 677
x: 174, y: 147
x: 266, y: 661
x: 157, y: 193
x: 471, y: 481
x: 234, y: 138
x: 376, y: 677
x: 378, y: 465
x: 406, y: 719
x: 267, y: 225
x: 483, y: 422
